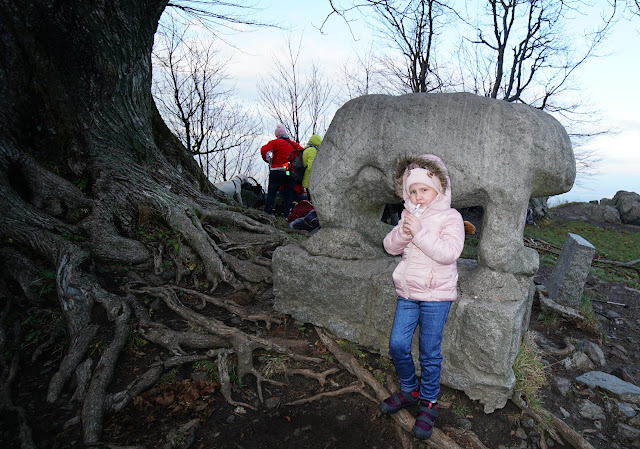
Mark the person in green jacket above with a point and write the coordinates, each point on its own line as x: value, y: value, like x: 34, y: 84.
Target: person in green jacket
x: 308, y: 155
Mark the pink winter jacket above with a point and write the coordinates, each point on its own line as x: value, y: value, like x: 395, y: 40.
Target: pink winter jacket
x: 428, y: 269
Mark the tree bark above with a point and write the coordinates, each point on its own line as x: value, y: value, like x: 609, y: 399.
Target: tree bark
x: 86, y: 162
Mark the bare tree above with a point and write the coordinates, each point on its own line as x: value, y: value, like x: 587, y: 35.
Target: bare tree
x: 525, y: 55
x: 530, y: 57
x: 190, y: 90
x: 411, y: 29
x: 294, y: 96
x: 363, y: 75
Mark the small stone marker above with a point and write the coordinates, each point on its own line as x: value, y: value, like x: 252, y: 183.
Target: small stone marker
x: 570, y: 272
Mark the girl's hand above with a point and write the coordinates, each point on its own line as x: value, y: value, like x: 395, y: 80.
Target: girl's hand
x: 411, y: 225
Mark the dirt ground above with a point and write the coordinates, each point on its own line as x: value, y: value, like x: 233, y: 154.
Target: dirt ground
x: 187, y: 409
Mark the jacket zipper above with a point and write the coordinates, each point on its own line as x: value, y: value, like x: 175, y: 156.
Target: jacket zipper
x: 404, y: 273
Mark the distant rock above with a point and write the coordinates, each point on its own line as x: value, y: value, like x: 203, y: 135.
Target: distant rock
x: 537, y: 210
x: 628, y: 205
x: 602, y: 213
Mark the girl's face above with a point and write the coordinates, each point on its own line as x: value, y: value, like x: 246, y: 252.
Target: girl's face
x: 421, y: 194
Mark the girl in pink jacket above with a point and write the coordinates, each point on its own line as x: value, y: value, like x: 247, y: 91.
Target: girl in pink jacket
x: 430, y: 237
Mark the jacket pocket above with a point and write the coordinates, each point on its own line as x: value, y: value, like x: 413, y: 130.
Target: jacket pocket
x: 445, y: 280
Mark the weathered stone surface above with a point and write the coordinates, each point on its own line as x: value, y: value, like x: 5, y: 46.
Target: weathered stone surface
x: 628, y: 433
x: 562, y: 385
x: 625, y: 391
x: 593, y: 351
x: 602, y: 213
x: 570, y: 271
x: 567, y: 312
x: 539, y: 208
x: 498, y: 154
x: 579, y: 361
x: 628, y: 204
x: 355, y: 299
x: 625, y: 410
x: 589, y: 410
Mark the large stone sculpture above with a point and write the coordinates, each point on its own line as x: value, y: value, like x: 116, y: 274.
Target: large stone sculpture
x: 498, y: 154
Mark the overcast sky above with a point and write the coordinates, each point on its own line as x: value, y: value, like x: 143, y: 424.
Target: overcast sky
x: 609, y: 83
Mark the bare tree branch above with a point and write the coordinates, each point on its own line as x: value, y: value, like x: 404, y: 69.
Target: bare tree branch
x: 295, y: 97
x: 191, y: 94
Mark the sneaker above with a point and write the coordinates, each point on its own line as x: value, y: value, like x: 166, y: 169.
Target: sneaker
x: 399, y: 401
x: 427, y: 414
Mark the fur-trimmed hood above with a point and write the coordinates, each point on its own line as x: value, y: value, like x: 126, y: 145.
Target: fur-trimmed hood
x: 432, y: 163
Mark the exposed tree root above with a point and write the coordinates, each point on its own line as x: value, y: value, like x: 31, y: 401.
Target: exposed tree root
x: 568, y: 349
x: 231, y: 307
x: 243, y: 344
x: 468, y: 438
x: 223, y: 369
x: 551, y: 424
x: 357, y: 387
x: 403, y: 418
x: 9, y: 372
x: 320, y: 377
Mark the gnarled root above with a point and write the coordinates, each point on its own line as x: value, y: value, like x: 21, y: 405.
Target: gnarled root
x: 553, y: 425
x: 403, y: 418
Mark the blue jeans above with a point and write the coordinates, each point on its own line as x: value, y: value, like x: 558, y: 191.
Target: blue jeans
x: 431, y: 316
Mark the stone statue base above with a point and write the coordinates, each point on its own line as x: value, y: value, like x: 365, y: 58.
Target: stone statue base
x: 355, y: 300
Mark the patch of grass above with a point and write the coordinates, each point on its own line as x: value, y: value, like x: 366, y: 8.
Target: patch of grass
x: 529, y: 371
x: 97, y: 347
x: 48, y: 282
x: 384, y: 363
x: 274, y: 364
x: 470, y: 249
x: 591, y: 319
x: 611, y: 244
x: 207, y: 366
x: 459, y: 409
x: 169, y: 377
x: 298, y: 238
x: 136, y: 339
x: 351, y: 348
x: 549, y: 317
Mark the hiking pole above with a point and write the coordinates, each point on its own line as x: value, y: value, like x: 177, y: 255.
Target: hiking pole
x: 610, y: 302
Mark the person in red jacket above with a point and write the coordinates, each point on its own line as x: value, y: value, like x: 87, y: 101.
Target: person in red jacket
x: 276, y: 153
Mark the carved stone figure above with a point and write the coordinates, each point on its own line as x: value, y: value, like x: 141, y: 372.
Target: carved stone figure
x: 498, y: 154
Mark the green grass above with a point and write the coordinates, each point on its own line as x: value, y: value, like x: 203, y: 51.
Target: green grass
x: 619, y: 245
x: 529, y: 371
x: 610, y: 244
x: 470, y: 250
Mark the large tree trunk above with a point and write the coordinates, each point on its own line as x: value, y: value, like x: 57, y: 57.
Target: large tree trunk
x: 85, y: 163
